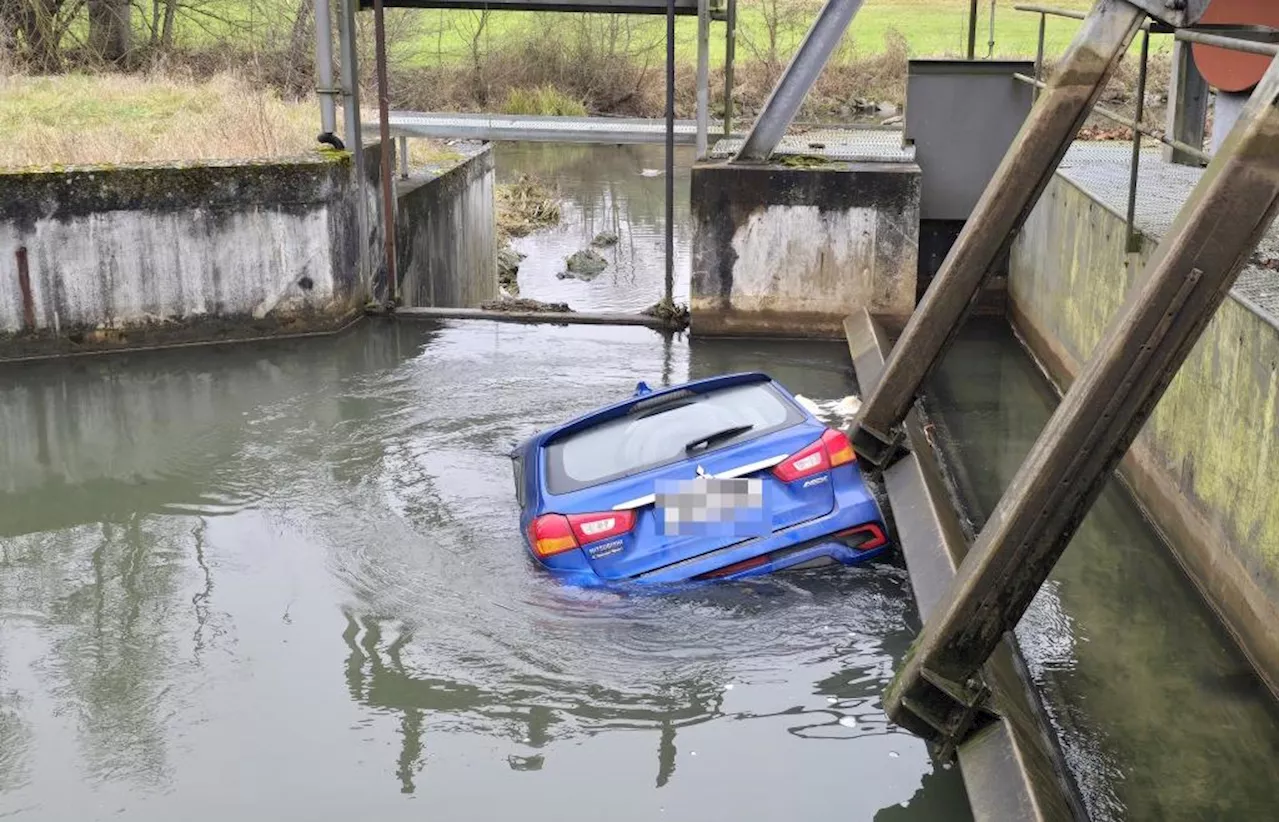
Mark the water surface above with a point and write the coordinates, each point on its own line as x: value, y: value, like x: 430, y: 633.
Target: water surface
x: 603, y: 188
x: 286, y: 581
x: 1159, y: 714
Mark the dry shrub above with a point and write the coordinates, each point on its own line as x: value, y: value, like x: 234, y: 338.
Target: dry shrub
x: 525, y: 206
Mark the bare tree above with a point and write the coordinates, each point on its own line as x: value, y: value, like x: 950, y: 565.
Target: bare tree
x: 110, y: 29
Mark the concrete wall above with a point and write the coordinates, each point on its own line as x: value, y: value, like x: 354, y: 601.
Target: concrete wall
x: 793, y: 251
x: 1204, y: 466
x: 445, y: 237
x: 139, y: 255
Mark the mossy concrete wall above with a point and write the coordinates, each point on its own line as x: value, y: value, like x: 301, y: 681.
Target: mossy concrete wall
x: 1204, y: 467
x: 792, y: 251
x: 446, y: 246
x: 102, y: 257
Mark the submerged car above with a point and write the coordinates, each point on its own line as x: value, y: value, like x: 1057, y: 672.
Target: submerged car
x: 720, y: 478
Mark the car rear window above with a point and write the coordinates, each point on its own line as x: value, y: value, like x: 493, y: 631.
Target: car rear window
x: 657, y: 436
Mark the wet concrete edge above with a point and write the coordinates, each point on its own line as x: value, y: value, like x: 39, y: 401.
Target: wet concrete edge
x: 1014, y: 769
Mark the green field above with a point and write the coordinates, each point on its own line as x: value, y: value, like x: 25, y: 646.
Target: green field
x: 433, y: 37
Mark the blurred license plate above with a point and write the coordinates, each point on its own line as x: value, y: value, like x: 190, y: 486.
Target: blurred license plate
x: 707, y: 506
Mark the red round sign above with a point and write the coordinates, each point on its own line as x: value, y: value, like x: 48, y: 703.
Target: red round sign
x: 1226, y: 69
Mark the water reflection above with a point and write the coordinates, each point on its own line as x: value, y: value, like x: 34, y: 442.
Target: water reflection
x: 602, y: 188
x: 1159, y: 715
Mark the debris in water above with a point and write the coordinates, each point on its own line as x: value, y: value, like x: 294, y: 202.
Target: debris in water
x: 524, y: 304
x: 650, y: 172
x: 605, y: 239
x: 829, y: 409
x: 893, y: 754
x: 849, y: 721
x: 831, y: 700
x: 584, y: 265
x: 728, y: 686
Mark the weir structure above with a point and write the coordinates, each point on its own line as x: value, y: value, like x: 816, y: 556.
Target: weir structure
x: 949, y: 688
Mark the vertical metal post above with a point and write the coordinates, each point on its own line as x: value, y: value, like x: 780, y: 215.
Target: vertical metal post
x: 1188, y: 105
x: 1185, y: 281
x: 730, y: 37
x: 403, y: 151
x: 991, y: 31
x: 973, y: 29
x: 1035, y: 90
x: 669, y: 282
x: 1133, y: 240
x: 384, y: 127
x: 1008, y: 198
x: 702, y: 115
x: 354, y: 131
x: 324, y: 68
x: 805, y: 66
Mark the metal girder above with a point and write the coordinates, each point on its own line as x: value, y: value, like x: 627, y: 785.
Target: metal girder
x: 1004, y: 205
x: 1177, y: 294
x: 805, y: 66
x: 1177, y: 13
x: 683, y: 7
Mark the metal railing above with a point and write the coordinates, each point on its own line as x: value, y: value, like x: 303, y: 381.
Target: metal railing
x: 1204, y: 34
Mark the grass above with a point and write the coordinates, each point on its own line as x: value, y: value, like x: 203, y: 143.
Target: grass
x: 116, y: 118
x: 545, y: 100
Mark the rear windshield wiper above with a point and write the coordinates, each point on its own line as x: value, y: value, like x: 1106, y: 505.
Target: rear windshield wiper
x: 725, y: 434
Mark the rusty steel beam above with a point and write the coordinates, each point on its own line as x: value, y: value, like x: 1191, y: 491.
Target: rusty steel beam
x: 385, y: 148
x: 1009, y: 197
x: 936, y: 690
x: 24, y: 285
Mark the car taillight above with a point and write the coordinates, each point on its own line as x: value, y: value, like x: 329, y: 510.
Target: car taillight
x: 595, y: 527
x: 839, y: 449
x: 556, y: 533
x: 550, y: 534
x: 832, y: 448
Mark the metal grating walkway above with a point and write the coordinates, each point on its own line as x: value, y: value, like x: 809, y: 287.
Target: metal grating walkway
x: 857, y: 145
x: 1102, y: 169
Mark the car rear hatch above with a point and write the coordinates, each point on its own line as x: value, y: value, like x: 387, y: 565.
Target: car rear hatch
x: 620, y: 465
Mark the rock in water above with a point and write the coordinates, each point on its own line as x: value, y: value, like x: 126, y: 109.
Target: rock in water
x: 605, y: 239
x: 585, y: 264
x: 508, y: 266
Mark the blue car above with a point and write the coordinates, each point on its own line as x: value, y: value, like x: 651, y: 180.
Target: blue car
x: 721, y: 478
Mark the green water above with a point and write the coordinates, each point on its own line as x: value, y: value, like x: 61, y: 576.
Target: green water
x: 1159, y: 714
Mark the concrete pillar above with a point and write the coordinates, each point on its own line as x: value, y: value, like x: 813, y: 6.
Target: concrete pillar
x: 1188, y: 104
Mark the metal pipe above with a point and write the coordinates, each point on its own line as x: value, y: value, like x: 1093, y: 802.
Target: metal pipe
x: 350, y: 78
x: 730, y: 37
x: 805, y: 66
x: 1233, y: 43
x: 1056, y: 12
x: 384, y: 127
x: 1035, y: 90
x: 669, y: 279
x: 701, y: 115
x: 973, y: 29
x: 1117, y: 117
x: 1177, y: 294
x: 1133, y: 240
x: 324, y: 68
x: 1010, y: 195
x: 354, y: 131
x: 403, y: 152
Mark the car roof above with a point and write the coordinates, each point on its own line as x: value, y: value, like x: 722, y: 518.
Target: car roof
x: 643, y: 394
